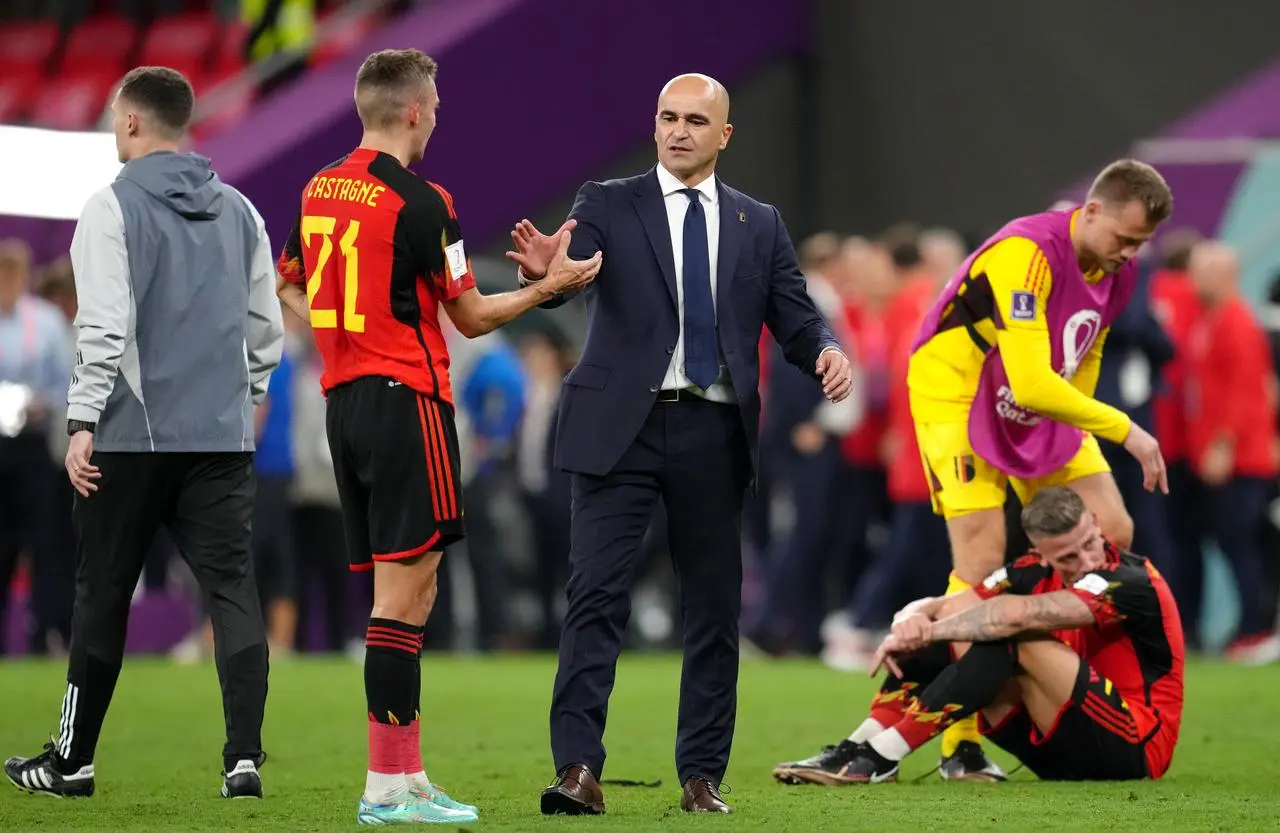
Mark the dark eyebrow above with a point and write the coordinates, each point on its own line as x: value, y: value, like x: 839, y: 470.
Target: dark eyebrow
x: 689, y: 116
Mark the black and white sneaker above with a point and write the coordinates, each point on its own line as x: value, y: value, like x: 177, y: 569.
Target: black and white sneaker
x: 869, y: 767
x: 41, y: 775
x: 970, y: 763
x: 829, y: 767
x: 243, y: 781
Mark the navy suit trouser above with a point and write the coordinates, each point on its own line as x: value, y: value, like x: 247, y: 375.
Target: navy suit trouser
x: 693, y: 455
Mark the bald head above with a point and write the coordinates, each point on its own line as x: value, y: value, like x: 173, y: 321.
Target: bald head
x: 697, y: 85
x: 1215, y: 269
x: 692, y: 126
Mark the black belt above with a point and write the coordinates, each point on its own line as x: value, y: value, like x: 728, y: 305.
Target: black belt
x: 679, y: 395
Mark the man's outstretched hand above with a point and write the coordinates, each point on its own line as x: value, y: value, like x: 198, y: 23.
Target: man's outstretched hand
x: 534, y: 250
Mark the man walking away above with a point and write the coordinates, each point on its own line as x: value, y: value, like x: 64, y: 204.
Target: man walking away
x: 177, y: 334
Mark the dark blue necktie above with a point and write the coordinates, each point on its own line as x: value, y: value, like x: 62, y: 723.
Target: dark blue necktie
x: 701, y: 352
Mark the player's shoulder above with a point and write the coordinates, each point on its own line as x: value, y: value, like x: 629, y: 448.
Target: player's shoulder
x: 337, y: 163
x: 240, y: 199
x: 105, y: 199
x: 326, y: 170
x: 1020, y: 577
x: 1014, y: 249
x: 414, y: 191
x: 1124, y: 566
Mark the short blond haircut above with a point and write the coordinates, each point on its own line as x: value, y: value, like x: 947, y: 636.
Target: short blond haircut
x: 1053, y: 511
x: 388, y: 82
x: 1128, y: 180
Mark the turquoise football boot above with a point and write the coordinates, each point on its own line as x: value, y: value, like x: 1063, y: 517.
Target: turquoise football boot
x: 435, y: 794
x: 411, y: 811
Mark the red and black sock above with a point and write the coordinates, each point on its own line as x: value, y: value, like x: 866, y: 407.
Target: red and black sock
x: 897, y: 694
x: 391, y: 674
x: 961, y: 689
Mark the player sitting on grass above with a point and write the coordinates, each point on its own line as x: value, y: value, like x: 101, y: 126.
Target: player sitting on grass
x: 1075, y: 664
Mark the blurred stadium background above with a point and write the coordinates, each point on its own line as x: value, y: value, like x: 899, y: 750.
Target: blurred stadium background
x: 852, y: 117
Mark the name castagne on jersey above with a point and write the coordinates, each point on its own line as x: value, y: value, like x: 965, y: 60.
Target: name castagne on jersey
x: 342, y: 188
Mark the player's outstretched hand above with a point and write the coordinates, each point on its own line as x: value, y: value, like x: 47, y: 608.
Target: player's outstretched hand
x: 1146, y: 450
x: 884, y: 657
x: 535, y: 250
x: 567, y: 275
x: 836, y: 374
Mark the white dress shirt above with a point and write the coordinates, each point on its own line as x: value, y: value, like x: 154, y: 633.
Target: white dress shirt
x: 677, y: 203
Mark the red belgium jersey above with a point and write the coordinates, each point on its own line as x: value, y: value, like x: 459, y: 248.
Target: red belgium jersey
x: 1136, y: 640
x: 378, y: 249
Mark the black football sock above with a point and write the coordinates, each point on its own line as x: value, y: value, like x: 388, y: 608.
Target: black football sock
x: 963, y: 688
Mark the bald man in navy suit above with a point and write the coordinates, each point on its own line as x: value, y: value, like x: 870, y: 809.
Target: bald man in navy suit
x: 665, y: 404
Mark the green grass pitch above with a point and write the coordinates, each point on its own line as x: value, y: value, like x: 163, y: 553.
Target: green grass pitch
x: 485, y: 739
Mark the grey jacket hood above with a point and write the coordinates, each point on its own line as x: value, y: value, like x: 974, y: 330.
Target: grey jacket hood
x: 184, y: 182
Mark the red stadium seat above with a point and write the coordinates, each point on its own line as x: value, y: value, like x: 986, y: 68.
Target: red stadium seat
x: 100, y: 45
x: 18, y: 90
x: 229, y: 57
x: 182, y: 42
x: 74, y: 102
x: 26, y: 45
x: 340, y: 42
x: 230, y: 111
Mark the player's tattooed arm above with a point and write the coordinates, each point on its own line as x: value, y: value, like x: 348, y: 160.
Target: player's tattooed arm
x: 1009, y: 615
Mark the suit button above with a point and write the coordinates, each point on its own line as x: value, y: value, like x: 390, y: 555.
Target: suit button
x: 671, y: 349
x: 653, y: 389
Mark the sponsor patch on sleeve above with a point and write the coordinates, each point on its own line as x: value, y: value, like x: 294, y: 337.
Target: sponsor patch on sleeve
x: 455, y: 258
x: 1092, y: 583
x: 1023, y: 307
x: 996, y: 579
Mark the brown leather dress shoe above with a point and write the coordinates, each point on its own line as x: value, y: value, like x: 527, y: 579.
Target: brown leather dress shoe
x: 701, y: 796
x: 575, y: 792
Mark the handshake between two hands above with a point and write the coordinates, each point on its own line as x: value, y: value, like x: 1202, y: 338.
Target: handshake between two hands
x: 545, y: 259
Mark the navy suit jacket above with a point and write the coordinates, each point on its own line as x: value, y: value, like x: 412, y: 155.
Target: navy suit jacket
x: 632, y: 320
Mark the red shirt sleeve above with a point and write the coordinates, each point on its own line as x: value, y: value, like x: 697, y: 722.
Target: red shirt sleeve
x: 1020, y: 578
x: 446, y: 261
x: 1115, y: 592
x: 289, y: 264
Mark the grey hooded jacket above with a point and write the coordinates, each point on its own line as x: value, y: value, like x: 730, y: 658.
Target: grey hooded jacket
x: 179, y: 326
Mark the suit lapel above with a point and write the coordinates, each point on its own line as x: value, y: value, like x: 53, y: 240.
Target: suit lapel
x: 733, y: 231
x: 653, y: 214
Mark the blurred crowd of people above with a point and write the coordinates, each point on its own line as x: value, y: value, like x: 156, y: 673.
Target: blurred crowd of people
x: 1189, y: 360
x: 840, y: 533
